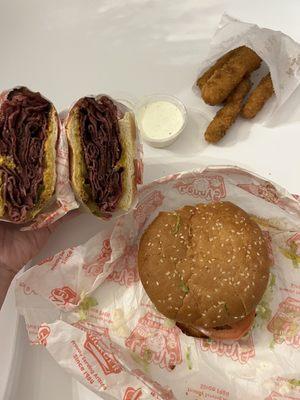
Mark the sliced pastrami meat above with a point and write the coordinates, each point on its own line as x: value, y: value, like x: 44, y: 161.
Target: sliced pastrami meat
x: 24, y: 120
x: 100, y: 139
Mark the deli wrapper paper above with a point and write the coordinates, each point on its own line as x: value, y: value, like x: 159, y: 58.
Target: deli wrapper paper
x: 280, y: 53
x: 87, y: 306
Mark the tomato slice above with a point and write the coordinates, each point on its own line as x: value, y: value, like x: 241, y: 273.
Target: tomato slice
x: 235, y: 332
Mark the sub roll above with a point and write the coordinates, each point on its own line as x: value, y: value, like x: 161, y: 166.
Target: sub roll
x: 28, y: 135
x: 102, y: 141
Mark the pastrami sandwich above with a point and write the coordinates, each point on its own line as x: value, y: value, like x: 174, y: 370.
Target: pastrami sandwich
x: 28, y: 136
x: 102, y: 142
x: 206, y: 267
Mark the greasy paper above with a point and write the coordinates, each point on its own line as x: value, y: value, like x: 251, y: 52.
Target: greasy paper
x: 87, y: 306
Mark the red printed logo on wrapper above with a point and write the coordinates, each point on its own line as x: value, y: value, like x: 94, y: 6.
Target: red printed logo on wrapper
x: 125, y: 271
x: 206, y: 187
x: 278, y: 396
x: 155, y: 343
x: 96, y: 268
x: 295, y: 240
x: 139, y: 171
x: 285, y: 389
x: 63, y: 296
x: 132, y: 394
x: 43, y: 333
x: 27, y: 289
x: 58, y: 259
x: 266, y: 191
x: 285, y: 325
x: 157, y: 390
x: 147, y: 206
x: 241, y: 351
x: 97, y: 343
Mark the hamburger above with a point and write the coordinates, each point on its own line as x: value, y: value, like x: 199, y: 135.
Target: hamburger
x: 205, y: 267
x: 28, y: 136
x: 102, y: 141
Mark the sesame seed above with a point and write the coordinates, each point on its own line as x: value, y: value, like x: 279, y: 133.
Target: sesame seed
x: 157, y: 283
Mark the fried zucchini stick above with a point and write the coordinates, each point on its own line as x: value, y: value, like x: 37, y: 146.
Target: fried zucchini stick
x: 257, y: 99
x: 226, y: 116
x: 218, y: 64
x: 225, y: 79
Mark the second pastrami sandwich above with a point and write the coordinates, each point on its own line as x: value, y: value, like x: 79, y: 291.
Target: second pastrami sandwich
x: 205, y: 267
x: 102, y: 142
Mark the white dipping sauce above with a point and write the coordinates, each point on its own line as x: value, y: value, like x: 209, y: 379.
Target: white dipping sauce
x: 161, y: 119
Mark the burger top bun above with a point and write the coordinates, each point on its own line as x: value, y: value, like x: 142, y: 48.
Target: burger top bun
x: 204, y: 265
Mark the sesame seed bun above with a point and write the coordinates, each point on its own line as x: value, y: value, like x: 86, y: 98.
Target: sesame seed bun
x: 204, y: 266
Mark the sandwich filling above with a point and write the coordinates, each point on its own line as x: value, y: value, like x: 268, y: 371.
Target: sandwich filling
x: 227, y: 332
x: 100, y: 140
x: 24, y: 121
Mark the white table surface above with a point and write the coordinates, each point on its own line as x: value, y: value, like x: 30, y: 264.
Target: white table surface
x: 129, y: 48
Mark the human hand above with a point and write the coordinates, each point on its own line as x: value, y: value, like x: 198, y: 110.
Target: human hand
x: 18, y: 247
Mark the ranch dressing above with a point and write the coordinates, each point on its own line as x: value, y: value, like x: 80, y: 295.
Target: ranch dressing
x: 161, y: 119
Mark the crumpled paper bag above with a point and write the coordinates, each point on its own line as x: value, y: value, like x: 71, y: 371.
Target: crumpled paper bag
x: 87, y: 306
x: 280, y: 53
